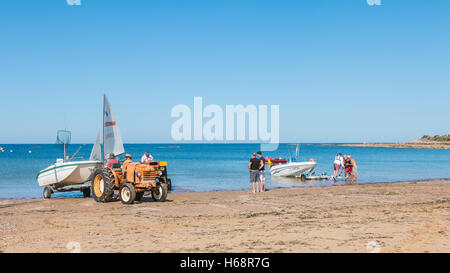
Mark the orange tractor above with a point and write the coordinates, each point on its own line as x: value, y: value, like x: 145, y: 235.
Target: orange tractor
x: 132, y: 180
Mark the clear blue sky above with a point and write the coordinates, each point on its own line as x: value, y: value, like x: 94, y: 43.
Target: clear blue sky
x: 341, y: 71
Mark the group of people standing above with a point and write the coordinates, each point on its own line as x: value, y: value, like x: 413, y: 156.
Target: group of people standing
x: 257, y: 172
x: 347, y: 164
x: 342, y: 163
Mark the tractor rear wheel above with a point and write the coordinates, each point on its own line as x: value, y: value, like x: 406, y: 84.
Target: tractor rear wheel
x: 159, y: 194
x: 127, y: 193
x: 139, y: 196
x: 103, y: 185
x: 47, y: 192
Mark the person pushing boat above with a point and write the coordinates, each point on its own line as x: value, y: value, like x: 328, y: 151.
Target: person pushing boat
x: 338, y: 164
x: 354, y: 173
x: 348, y: 167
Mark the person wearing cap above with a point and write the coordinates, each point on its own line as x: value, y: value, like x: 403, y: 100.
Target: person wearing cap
x: 125, y: 165
x: 112, y: 160
x: 128, y: 159
x: 146, y: 158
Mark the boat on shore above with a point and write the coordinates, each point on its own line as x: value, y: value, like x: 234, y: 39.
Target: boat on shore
x: 293, y: 168
x: 68, y: 173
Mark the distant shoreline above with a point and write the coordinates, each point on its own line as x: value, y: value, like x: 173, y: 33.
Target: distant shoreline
x: 406, y: 145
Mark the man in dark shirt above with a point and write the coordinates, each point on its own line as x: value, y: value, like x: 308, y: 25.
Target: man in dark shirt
x: 254, y: 166
x: 262, y: 173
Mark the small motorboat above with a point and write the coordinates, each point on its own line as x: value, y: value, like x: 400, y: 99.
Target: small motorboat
x: 1, y: 150
x: 293, y: 168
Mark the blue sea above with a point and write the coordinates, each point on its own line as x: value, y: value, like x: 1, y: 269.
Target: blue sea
x: 215, y: 167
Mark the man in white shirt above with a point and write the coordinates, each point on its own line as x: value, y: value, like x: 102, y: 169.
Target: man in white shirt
x: 146, y: 158
x: 338, y: 163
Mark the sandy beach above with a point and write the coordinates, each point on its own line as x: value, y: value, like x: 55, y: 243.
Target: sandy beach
x: 394, y: 217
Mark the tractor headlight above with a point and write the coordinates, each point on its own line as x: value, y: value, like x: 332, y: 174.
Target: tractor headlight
x: 160, y: 173
x: 138, y: 174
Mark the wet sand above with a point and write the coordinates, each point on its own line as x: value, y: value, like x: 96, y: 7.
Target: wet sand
x: 385, y: 217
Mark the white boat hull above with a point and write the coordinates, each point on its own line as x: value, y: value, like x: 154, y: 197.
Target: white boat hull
x: 292, y: 169
x: 67, y: 173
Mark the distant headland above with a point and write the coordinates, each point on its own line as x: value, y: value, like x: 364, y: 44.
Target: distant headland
x: 425, y: 142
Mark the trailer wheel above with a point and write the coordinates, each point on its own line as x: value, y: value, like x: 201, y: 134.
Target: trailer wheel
x: 47, y: 192
x: 169, y: 185
x: 103, y: 185
x: 139, y: 196
x: 159, y: 194
x: 303, y: 178
x: 127, y: 193
x: 86, y: 192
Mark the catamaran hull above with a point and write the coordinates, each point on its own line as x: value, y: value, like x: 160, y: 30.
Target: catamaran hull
x: 292, y: 169
x: 67, y: 173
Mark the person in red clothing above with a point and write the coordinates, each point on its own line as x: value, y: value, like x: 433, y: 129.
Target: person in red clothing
x: 112, y: 160
x: 348, y: 168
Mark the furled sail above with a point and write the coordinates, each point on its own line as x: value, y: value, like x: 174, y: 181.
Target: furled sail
x: 112, y: 142
x: 96, y: 153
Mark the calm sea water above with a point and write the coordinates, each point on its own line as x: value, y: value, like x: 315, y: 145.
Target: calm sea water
x: 213, y: 167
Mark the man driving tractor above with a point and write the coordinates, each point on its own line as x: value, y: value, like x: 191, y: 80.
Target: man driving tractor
x: 131, y: 180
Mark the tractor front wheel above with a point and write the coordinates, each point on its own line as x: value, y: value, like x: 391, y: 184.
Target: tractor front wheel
x: 159, y: 194
x: 103, y: 185
x: 127, y: 193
